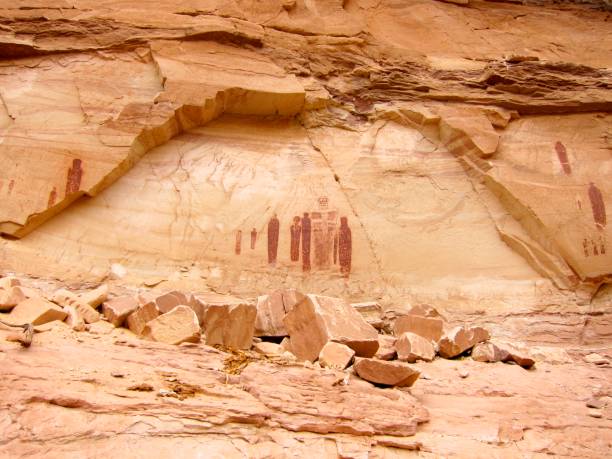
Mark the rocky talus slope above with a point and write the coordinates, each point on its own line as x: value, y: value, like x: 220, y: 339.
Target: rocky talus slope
x: 390, y: 154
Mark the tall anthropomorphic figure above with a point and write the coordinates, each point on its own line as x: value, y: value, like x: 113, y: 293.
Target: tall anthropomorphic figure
x: 253, y: 238
x: 238, y: 246
x: 75, y: 174
x: 306, y: 229
x: 345, y: 247
x: 296, y: 234
x: 598, y: 206
x: 273, y: 229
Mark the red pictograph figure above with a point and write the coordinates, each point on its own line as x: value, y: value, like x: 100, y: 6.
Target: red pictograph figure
x: 296, y: 233
x: 563, y: 159
x: 306, y: 230
x: 595, y: 250
x: 238, y: 247
x: 11, y: 185
x: 253, y: 238
x: 585, y: 247
x: 345, y: 246
x: 598, y: 206
x: 75, y: 174
x: 273, y: 229
x: 52, y: 197
x: 602, y: 247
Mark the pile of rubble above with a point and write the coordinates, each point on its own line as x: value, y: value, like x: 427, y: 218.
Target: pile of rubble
x: 326, y: 331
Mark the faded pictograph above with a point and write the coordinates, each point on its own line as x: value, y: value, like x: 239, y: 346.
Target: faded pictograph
x: 563, y: 158
x: 596, y: 245
x: 75, y: 174
x: 238, y: 246
x: 318, y: 240
x: 52, y: 197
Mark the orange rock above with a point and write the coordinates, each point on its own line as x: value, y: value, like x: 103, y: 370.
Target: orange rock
x: 371, y: 312
x: 267, y: 348
x: 386, y: 347
x: 271, y: 310
x: 318, y: 319
x: 8, y: 282
x: 137, y: 320
x: 118, y: 309
x: 170, y: 300
x: 75, y: 318
x: 488, y: 352
x: 427, y: 327
x: 36, y: 311
x: 11, y: 297
x: 336, y: 355
x: 411, y: 347
x: 65, y: 298
x: 179, y: 325
x: 95, y: 297
x: 460, y: 339
x: 387, y: 373
x: 230, y: 325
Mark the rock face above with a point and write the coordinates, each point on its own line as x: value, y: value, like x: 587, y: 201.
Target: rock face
x: 179, y: 325
x: 271, y: 311
x: 36, y: 311
x: 318, y: 319
x: 460, y: 339
x: 386, y: 373
x: 230, y: 325
x: 411, y: 347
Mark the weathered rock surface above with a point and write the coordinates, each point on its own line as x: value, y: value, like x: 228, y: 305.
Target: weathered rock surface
x: 230, y: 325
x: 411, y: 347
x: 386, y: 373
x: 95, y: 297
x: 179, y: 325
x: 116, y: 310
x: 11, y: 297
x: 430, y: 328
x: 36, y: 311
x: 335, y: 355
x: 489, y: 352
x: 386, y: 347
x: 460, y: 339
x: 371, y: 312
x: 271, y: 311
x: 316, y: 320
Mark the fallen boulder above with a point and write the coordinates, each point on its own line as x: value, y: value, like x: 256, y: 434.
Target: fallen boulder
x: 386, y: 347
x: 95, y: 297
x: 11, y: 297
x: 138, y: 319
x: 179, y: 325
x: 118, y: 309
x: 65, y: 298
x: 75, y: 318
x: 460, y: 339
x: 371, y: 311
x: 411, y: 347
x: 230, y: 325
x: 335, y: 355
x: 318, y: 319
x: 387, y: 373
x: 36, y: 311
x: 271, y: 311
x: 430, y: 328
x: 171, y: 300
x: 488, y: 352
x: 267, y: 348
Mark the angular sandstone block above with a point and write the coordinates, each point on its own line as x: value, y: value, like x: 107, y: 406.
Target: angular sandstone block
x: 488, y: 352
x: 65, y: 298
x: 371, y: 311
x: 230, y: 325
x: 388, y: 373
x: 11, y: 297
x: 95, y: 297
x: 36, y: 311
x: 460, y: 339
x: 271, y: 311
x: 386, y: 347
x: 411, y: 347
x: 318, y: 319
x: 137, y: 320
x: 75, y: 318
x: 179, y: 325
x: 427, y: 327
x: 336, y: 355
x: 118, y: 309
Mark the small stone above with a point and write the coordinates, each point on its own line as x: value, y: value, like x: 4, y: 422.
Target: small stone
x: 7, y: 282
x: 386, y: 373
x: 335, y: 355
x: 463, y: 373
x: 318, y: 319
x: 595, y: 413
x: 117, y: 374
x: 286, y: 344
x: 36, y: 311
x: 267, y: 348
x: 142, y: 387
x: 118, y: 309
x: 509, y: 431
x: 595, y: 403
x: 596, y: 359
x: 386, y: 347
x: 488, y: 352
x: 411, y: 347
x: 74, y: 319
x: 117, y: 271
x: 460, y: 339
x: 174, y: 327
